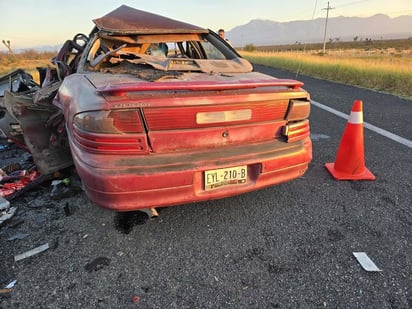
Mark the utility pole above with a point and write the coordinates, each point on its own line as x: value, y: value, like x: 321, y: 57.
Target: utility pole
x: 326, y: 26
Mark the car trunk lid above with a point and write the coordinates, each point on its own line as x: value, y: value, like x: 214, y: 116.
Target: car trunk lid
x: 199, y: 111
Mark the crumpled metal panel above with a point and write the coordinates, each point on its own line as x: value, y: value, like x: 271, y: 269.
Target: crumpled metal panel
x: 132, y: 21
x: 43, y: 127
x: 16, y: 81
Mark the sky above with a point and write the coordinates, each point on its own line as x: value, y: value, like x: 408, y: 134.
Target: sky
x: 33, y: 23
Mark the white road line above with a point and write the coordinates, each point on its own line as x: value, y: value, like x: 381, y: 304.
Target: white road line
x: 369, y: 126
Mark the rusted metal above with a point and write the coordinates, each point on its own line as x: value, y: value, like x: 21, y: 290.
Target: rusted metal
x: 132, y: 21
x: 47, y: 145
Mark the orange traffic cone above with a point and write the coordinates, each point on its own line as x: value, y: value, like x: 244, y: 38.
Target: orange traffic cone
x: 350, y: 159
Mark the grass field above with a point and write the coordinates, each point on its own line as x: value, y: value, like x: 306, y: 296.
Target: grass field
x: 28, y: 61
x: 388, y: 69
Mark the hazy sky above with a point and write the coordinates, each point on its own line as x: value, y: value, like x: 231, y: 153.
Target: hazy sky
x: 29, y: 23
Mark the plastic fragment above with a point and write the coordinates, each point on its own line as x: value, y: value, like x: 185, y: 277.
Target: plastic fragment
x: 365, y: 261
x: 11, y: 284
x: 6, y: 215
x: 31, y: 252
x: 18, y: 236
x: 63, y: 188
x: 4, y: 204
x: 135, y: 299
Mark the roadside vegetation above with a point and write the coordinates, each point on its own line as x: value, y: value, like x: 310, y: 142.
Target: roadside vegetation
x: 28, y: 60
x: 377, y: 66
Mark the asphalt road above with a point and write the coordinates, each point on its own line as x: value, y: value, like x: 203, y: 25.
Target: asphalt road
x: 289, y: 246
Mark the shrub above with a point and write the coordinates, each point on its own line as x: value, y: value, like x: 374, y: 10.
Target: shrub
x: 250, y: 48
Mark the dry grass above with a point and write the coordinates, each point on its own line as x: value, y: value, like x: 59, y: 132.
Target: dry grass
x: 28, y: 61
x: 379, y: 71
x: 388, y: 69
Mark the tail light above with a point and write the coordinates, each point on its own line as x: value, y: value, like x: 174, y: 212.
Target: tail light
x: 114, y: 131
x: 298, y: 110
x: 296, y: 131
x: 297, y: 127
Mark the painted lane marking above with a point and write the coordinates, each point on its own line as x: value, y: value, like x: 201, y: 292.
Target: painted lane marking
x: 369, y: 126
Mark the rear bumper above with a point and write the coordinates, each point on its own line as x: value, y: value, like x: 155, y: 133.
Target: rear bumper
x: 125, y: 183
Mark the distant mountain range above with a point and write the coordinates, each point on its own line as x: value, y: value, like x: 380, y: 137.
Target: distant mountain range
x: 42, y: 48
x: 261, y: 32
x: 266, y: 32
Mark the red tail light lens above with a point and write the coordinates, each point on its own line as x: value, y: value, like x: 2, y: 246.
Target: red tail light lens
x: 127, y: 122
x: 298, y: 123
x: 296, y: 131
x: 298, y: 110
x: 188, y: 117
x: 114, y: 121
x: 115, y: 131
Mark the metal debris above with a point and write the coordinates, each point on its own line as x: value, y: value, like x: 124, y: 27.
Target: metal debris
x: 151, y: 212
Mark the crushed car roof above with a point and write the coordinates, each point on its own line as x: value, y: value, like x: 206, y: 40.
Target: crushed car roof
x: 126, y: 19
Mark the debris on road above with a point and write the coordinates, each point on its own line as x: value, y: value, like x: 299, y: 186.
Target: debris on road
x: 66, y: 187
x: 365, y: 261
x: 6, y: 292
x: 18, y: 173
x: 59, y: 187
x: 97, y: 264
x: 4, y: 204
x: 7, y: 214
x: 11, y: 284
x: 18, y: 236
x: 31, y: 252
x: 135, y: 299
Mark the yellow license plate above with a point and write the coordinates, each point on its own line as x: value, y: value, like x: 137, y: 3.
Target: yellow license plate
x: 225, y: 176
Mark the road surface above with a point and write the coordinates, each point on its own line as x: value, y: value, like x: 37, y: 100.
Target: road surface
x: 289, y: 246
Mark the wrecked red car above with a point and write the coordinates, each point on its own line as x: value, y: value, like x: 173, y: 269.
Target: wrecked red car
x: 159, y: 112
